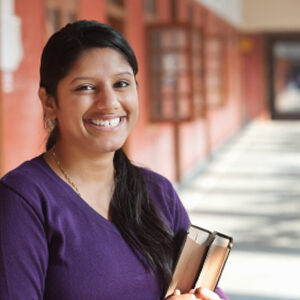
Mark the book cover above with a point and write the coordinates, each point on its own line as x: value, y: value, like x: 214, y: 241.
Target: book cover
x: 201, y: 260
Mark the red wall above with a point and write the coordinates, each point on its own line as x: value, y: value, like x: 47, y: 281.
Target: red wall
x: 92, y: 10
x: 151, y: 144
x: 253, y: 75
x: 21, y: 115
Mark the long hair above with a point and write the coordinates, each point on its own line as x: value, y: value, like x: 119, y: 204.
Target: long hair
x: 131, y: 208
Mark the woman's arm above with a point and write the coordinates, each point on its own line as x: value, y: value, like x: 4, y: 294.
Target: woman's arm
x: 180, y: 224
x: 23, y: 248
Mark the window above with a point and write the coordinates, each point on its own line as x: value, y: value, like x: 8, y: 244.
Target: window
x: 214, y: 53
x: 197, y: 60
x: 119, y: 3
x: 174, y: 10
x: 59, y: 13
x: 191, y: 11
x: 150, y: 7
x: 150, y: 10
x: 175, y: 73
x: 116, y: 14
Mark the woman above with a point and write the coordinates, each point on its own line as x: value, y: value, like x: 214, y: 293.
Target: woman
x: 80, y: 221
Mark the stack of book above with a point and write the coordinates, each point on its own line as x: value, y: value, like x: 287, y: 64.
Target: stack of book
x: 201, y: 260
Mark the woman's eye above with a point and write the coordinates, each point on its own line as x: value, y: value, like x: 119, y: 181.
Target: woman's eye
x: 121, y: 84
x: 85, y: 88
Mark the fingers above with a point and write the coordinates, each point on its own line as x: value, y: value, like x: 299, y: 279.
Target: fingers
x: 199, y: 293
x: 178, y: 296
x: 206, y: 294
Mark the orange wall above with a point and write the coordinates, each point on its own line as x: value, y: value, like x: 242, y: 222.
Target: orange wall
x: 201, y: 137
x: 92, y: 10
x: 151, y: 144
x: 21, y: 116
x: 253, y: 75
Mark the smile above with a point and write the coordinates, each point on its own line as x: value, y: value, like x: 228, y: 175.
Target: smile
x: 106, y: 123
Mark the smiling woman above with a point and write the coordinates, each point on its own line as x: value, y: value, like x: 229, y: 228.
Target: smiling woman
x: 80, y: 221
x: 96, y: 104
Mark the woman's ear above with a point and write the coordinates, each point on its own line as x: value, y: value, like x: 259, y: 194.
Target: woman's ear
x: 48, y: 103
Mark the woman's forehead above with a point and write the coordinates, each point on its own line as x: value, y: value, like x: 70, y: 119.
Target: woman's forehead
x: 101, y: 60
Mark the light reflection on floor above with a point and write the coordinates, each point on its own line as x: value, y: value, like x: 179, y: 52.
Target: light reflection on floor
x: 252, y: 192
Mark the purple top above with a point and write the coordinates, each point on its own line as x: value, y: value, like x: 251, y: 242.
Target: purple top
x: 53, y: 245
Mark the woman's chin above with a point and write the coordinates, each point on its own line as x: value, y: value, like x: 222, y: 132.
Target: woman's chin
x: 109, y: 148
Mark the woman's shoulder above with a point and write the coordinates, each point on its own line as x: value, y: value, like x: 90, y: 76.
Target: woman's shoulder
x: 29, y: 172
x: 155, y: 180
x: 28, y: 181
x: 23, y: 187
x: 164, y: 195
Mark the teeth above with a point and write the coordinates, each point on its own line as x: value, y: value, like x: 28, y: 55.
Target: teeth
x: 106, y: 123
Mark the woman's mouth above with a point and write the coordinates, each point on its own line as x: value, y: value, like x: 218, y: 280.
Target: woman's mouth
x: 106, y: 123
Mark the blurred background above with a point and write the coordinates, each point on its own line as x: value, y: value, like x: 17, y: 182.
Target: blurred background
x: 219, y: 90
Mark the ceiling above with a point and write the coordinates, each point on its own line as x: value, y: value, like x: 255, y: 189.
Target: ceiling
x: 258, y: 15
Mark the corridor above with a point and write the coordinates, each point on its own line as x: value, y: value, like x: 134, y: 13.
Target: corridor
x: 251, y: 191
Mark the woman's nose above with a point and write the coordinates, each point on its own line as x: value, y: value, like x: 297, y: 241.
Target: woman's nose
x: 107, y: 98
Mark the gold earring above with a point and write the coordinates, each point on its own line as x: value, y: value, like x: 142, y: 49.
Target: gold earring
x: 50, y: 124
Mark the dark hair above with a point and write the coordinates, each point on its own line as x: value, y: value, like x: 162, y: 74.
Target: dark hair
x: 131, y: 208
x: 66, y: 45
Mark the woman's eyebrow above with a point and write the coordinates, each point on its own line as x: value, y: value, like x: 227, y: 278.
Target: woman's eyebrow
x: 93, y: 78
x: 125, y: 73
x: 82, y: 78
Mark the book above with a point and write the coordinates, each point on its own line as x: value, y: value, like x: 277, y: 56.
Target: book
x: 201, y: 261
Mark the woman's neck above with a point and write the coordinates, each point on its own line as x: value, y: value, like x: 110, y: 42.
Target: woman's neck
x: 92, y: 177
x: 81, y: 166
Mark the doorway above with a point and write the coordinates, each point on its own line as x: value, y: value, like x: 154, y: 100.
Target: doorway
x: 284, y: 76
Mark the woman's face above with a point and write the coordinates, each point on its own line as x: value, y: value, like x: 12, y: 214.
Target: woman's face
x: 97, y: 102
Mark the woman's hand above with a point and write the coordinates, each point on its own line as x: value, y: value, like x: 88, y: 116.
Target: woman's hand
x: 200, y: 293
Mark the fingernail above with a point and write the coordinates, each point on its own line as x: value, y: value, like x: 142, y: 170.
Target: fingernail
x: 177, y: 292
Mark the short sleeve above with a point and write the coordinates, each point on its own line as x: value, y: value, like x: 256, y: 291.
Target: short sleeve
x: 23, y: 248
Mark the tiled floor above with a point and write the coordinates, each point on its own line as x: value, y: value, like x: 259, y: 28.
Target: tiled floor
x: 251, y: 190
